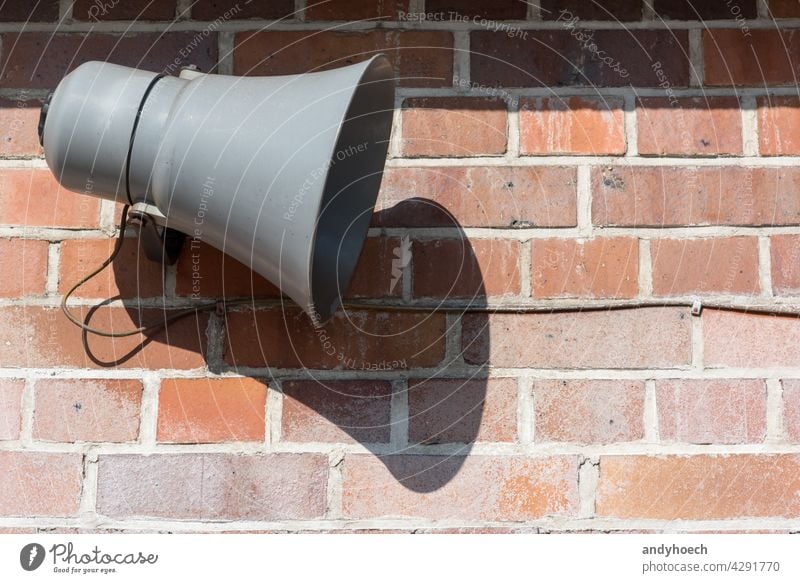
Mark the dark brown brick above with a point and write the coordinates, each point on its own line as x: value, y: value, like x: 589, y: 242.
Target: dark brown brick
x: 705, y: 9
x: 622, y: 10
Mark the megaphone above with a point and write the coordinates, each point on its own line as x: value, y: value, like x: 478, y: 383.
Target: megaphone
x: 281, y: 173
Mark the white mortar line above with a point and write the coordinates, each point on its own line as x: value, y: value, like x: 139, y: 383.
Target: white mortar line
x: 108, y: 223
x: 274, y: 414
x: 64, y: 12
x: 461, y: 59
x: 696, y: 63
x: 649, y: 11
x: 53, y: 266
x: 396, y: 137
x: 526, y: 427
x: 513, y: 145
x: 399, y: 415
x: 645, y: 269
x: 27, y: 411
x: 631, y: 122
x: 651, y: 430
x: 775, y: 426
x: 526, y: 269
x: 763, y: 9
x: 686, y: 162
x: 300, y: 9
x: 148, y: 422
x: 87, y: 509
x: 183, y: 9
x: 583, y: 189
x: 750, y: 135
x: 697, y: 343
x: 225, y: 45
x: 765, y: 266
x: 588, y: 476
x: 335, y: 486
x: 453, y: 353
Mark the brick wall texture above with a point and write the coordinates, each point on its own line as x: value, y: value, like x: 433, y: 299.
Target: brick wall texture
x: 559, y: 155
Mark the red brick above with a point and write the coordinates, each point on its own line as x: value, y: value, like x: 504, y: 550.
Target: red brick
x: 87, y: 410
x: 497, y: 10
x: 206, y: 272
x: 336, y: 411
x: 454, y: 126
x: 477, y: 487
x: 712, y: 411
x: 765, y: 57
x: 32, y: 198
x: 750, y: 340
x: 43, y: 337
x: 137, y: 10
x: 130, y: 275
x: 211, y: 410
x: 588, y: 411
x: 351, y: 340
x: 778, y: 124
x: 40, y: 11
x: 375, y: 275
x: 358, y: 10
x: 690, y: 126
x: 213, y: 486
x: 691, y: 266
x: 213, y: 9
x: 10, y: 408
x: 19, y: 122
x: 40, y: 484
x: 461, y: 268
x: 785, y: 251
x: 499, y: 59
x: 480, y: 196
x: 572, y: 125
x: 596, y: 268
x: 421, y: 58
x: 694, y: 10
x: 616, y: 10
x: 24, y: 263
x: 41, y: 59
x: 791, y: 409
x: 784, y: 8
x: 643, y: 338
x: 668, y: 196
x: 699, y: 487
x: 462, y: 410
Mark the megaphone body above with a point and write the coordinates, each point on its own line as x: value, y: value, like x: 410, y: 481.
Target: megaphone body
x: 281, y: 173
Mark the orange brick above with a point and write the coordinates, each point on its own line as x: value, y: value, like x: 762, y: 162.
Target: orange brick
x: 211, y: 410
x: 600, y: 268
x: 785, y: 251
x: 791, y: 409
x: 19, y: 120
x: 31, y: 197
x: 778, y: 124
x: 588, y: 411
x: 40, y: 484
x: 698, y: 487
x: 454, y: 126
x: 461, y: 268
x: 336, y: 411
x: 690, y: 126
x: 687, y: 266
x: 211, y: 486
x: 462, y: 410
x: 766, y: 57
x: 477, y: 487
x: 712, y: 411
x: 87, y: 410
x: 10, y: 408
x: 644, y: 338
x: 572, y: 125
x: 750, y: 340
x: 478, y: 196
x: 24, y: 265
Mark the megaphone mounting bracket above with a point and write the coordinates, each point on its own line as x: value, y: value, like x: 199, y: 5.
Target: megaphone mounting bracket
x: 159, y: 242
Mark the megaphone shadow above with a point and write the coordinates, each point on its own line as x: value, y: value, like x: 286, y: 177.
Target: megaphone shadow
x: 394, y: 381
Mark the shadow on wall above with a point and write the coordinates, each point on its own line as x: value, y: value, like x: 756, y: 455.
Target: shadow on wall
x: 394, y: 369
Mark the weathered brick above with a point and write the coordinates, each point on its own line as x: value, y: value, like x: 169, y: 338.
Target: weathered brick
x: 497, y: 10
x: 572, y: 125
x: 287, y: 338
x: 791, y: 409
x: 643, y: 338
x: 604, y: 267
x: 750, y: 340
x: 19, y: 120
x: 472, y: 488
x: 454, y: 126
x: 705, y: 9
x: 10, y: 408
x: 375, y: 275
x: 778, y: 124
x: 689, y: 126
x: 213, y: 9
x: 40, y: 11
x: 592, y: 411
x: 336, y: 411
x: 785, y: 255
x: 211, y: 410
x: 24, y: 263
x: 479, y: 196
x: 547, y: 58
x: 421, y: 58
x: 41, y: 59
x: 379, y: 10
x: 213, y: 486
x: 784, y: 8
x: 32, y: 198
x: 765, y: 57
x: 670, y: 196
x: 137, y: 10
x: 462, y: 410
x: 461, y: 268
x: 699, y: 487
x: 33, y: 336
x: 87, y: 410
x: 40, y: 484
x: 692, y: 266
x: 712, y: 411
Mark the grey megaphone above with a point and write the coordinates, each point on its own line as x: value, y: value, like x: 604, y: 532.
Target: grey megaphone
x: 281, y: 173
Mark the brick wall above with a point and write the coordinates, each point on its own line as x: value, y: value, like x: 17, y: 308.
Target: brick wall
x: 561, y: 155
